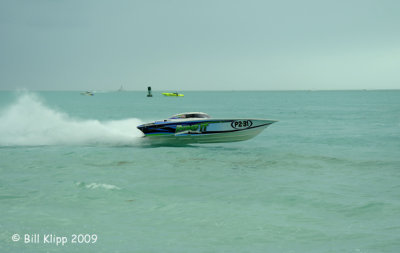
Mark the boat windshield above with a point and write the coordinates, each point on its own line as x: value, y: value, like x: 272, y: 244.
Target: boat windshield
x: 190, y: 115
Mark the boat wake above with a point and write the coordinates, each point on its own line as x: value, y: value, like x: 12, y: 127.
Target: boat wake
x: 29, y: 122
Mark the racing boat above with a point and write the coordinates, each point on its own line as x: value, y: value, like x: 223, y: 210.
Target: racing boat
x: 198, y: 127
x: 174, y: 94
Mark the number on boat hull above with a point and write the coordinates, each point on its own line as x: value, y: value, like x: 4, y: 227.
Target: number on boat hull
x: 241, y: 124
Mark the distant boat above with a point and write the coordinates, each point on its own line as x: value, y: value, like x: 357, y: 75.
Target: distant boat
x: 87, y: 93
x: 174, y: 94
x: 121, y: 88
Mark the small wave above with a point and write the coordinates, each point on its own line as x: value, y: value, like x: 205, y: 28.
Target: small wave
x: 98, y: 185
x: 29, y: 122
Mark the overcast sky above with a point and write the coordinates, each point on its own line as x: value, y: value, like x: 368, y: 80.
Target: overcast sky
x: 199, y: 45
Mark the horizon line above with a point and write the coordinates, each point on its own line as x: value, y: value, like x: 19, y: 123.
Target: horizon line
x: 231, y: 90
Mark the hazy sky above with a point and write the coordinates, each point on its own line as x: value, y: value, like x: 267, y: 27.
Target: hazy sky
x: 199, y: 45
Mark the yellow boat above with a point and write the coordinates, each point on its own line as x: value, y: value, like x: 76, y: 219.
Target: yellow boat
x: 174, y: 94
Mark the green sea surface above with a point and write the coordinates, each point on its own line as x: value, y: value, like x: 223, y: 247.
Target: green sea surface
x: 325, y: 178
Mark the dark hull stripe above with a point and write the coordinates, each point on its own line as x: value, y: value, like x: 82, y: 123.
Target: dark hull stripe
x: 184, y: 123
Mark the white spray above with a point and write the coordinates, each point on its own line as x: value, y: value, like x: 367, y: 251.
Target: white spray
x: 29, y: 122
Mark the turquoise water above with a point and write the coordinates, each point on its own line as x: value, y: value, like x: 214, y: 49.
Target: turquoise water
x: 325, y: 178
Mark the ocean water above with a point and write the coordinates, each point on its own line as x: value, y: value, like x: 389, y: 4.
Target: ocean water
x: 325, y: 178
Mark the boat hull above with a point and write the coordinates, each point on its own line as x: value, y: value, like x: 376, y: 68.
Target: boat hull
x: 172, y: 95
x: 204, y: 131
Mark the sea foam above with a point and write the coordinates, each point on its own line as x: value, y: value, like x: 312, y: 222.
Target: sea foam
x: 30, y: 122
